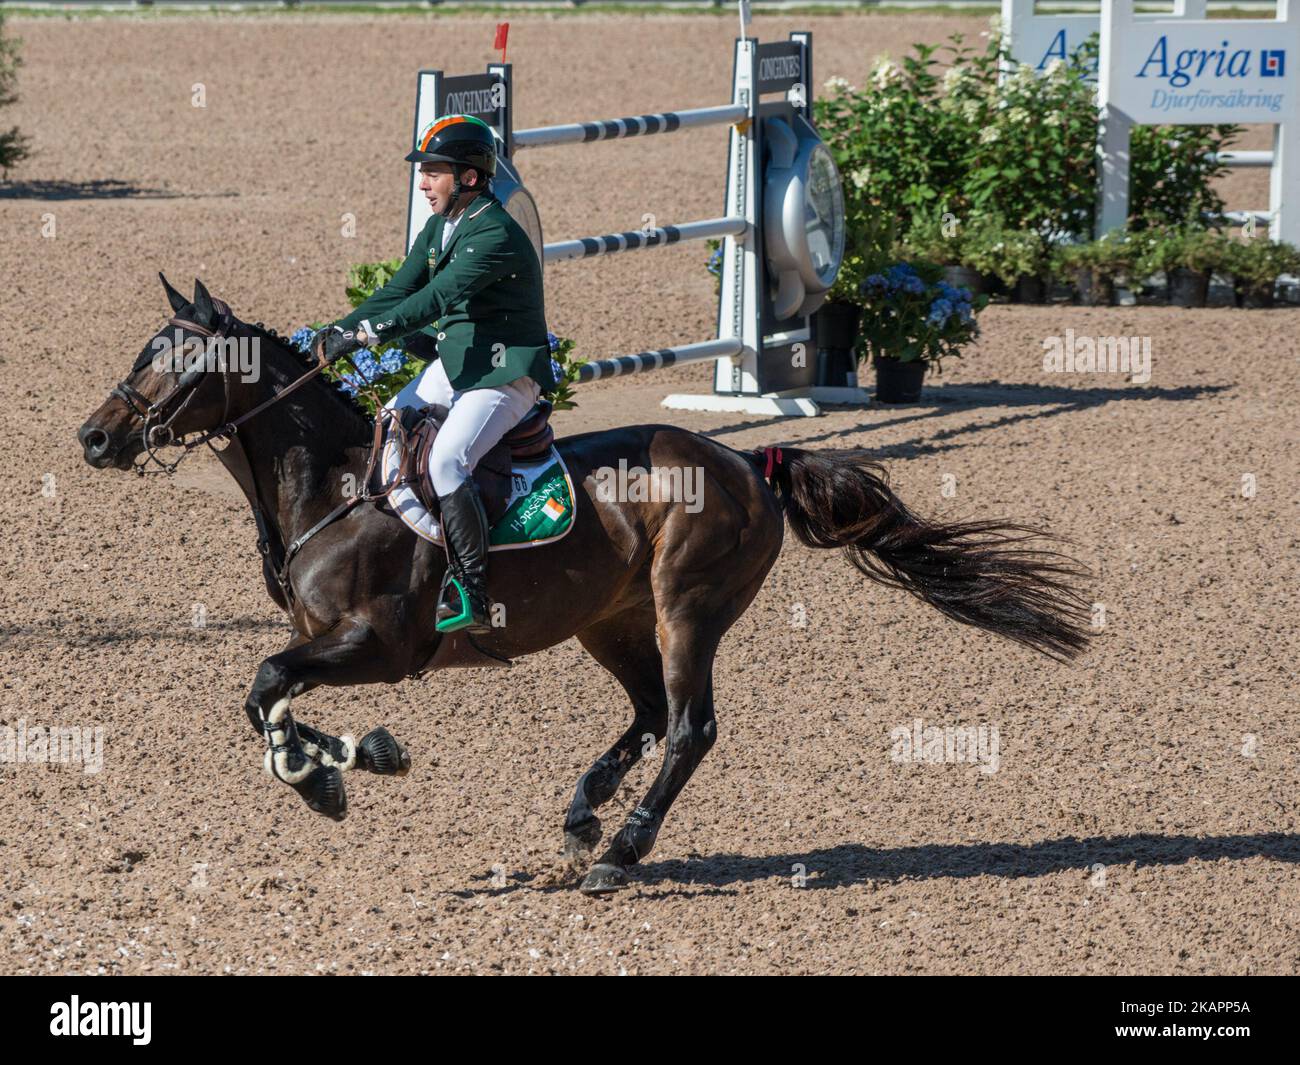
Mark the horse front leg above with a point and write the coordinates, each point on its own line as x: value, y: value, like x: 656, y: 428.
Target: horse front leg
x: 310, y: 761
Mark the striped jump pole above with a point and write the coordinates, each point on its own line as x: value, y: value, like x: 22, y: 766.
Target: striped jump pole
x: 587, y: 247
x: 634, y: 126
x: 722, y: 348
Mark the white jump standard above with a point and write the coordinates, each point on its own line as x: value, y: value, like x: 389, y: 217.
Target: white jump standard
x: 782, y: 222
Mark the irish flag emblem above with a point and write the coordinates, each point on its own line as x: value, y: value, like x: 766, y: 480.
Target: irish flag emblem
x: 553, y: 509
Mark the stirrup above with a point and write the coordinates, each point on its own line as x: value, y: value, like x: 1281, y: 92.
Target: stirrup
x: 465, y: 618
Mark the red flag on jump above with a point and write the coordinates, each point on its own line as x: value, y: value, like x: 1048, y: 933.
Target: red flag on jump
x: 503, y: 29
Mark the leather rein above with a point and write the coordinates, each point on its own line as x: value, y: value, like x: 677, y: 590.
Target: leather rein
x: 160, y: 435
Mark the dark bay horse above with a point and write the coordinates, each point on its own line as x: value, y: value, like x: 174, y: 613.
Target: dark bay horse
x: 648, y: 588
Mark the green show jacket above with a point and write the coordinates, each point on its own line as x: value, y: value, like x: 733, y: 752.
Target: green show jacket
x: 485, y: 292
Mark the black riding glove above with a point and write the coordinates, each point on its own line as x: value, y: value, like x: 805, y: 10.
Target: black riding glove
x: 332, y: 343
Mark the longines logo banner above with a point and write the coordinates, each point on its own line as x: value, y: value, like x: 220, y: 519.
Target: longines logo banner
x: 1193, y: 72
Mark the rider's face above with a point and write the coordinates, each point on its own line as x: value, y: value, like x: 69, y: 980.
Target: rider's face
x: 436, y: 180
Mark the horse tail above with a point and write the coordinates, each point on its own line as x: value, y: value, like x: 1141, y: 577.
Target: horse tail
x: 975, y: 572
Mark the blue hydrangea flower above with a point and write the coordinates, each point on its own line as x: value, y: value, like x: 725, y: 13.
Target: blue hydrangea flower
x: 366, y: 364
x: 900, y: 273
x: 557, y: 371
x: 940, y: 309
x: 552, y: 340
x: 392, y: 360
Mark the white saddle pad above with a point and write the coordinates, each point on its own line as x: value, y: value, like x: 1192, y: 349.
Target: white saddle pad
x: 524, y: 481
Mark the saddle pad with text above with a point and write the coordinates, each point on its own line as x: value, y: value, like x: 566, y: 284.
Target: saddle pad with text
x: 540, y: 509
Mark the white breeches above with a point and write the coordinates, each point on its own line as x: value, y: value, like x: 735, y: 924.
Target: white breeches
x: 477, y: 419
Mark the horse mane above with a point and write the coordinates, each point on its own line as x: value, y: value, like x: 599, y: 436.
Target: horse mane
x: 304, y: 360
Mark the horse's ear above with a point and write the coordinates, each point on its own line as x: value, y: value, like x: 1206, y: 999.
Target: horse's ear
x: 202, y: 301
x: 173, y: 297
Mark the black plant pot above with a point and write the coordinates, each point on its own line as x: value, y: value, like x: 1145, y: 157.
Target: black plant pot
x: 1188, y: 288
x: 964, y: 277
x: 898, y: 382
x: 993, y: 285
x: 1255, y: 297
x: 837, y: 333
x: 1029, y: 289
x: 1093, y: 289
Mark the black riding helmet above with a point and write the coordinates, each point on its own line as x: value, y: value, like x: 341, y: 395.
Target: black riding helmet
x: 463, y: 141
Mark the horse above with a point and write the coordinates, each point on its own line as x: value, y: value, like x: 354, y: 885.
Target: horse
x: 648, y: 587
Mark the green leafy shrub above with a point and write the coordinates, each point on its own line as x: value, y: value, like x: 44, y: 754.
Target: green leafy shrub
x: 1031, y: 159
x: 897, y: 150
x: 14, y: 147
x: 1173, y: 170
x: 919, y: 142
x: 1180, y: 247
x: 934, y: 237
x: 1007, y: 252
x: 1257, y: 263
x: 1107, y: 259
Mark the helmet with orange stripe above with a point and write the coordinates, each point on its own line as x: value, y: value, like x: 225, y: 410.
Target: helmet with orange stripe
x: 461, y: 140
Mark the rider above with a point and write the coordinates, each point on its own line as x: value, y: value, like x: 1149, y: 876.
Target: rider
x: 473, y: 271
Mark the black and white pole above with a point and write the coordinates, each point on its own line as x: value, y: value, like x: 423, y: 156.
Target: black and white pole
x: 634, y: 126
x: 658, y: 360
x: 587, y: 247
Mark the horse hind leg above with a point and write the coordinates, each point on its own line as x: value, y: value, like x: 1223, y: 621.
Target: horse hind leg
x: 624, y: 645
x: 692, y: 731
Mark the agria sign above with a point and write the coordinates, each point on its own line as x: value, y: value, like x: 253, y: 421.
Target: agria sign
x: 1038, y: 38
x: 1181, y: 71
x: 1219, y: 70
x: 1204, y: 70
x: 1223, y: 62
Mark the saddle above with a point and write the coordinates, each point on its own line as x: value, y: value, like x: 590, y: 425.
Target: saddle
x: 530, y: 439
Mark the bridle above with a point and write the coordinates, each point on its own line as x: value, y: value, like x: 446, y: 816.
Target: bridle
x: 160, y: 435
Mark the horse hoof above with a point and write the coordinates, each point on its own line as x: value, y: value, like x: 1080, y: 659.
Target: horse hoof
x: 324, y: 793
x: 380, y: 753
x: 604, y: 879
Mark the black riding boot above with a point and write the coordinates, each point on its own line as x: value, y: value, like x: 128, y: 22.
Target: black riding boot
x: 464, y: 602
